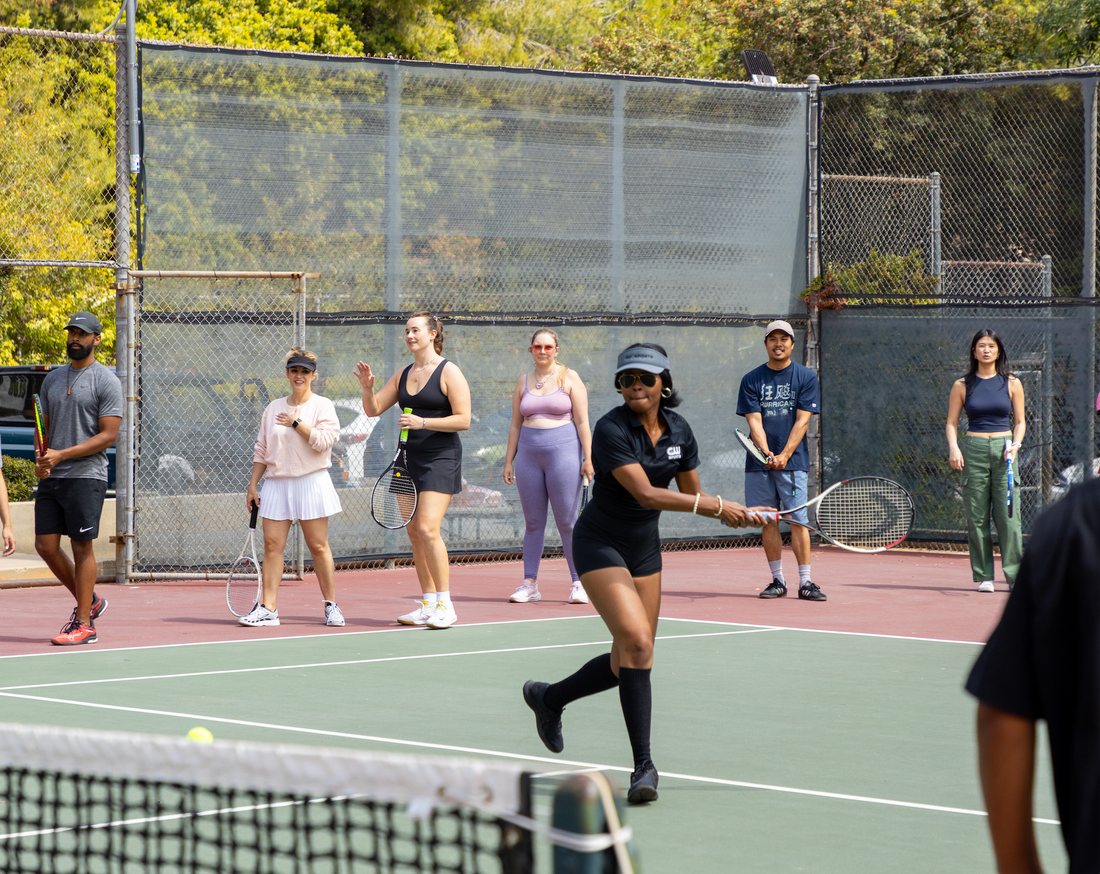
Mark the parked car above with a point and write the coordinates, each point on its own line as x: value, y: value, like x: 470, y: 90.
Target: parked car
x: 357, y: 455
x: 1071, y: 476
x: 485, y: 445
x: 18, y: 386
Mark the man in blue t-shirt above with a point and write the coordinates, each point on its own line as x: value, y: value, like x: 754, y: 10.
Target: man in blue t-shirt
x: 777, y: 400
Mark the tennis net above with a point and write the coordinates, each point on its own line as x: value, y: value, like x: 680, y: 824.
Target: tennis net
x: 90, y: 801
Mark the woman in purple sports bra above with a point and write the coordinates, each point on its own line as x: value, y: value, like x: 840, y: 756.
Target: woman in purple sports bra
x: 549, y: 453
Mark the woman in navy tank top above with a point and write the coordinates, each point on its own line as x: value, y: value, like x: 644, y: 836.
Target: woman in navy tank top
x: 550, y: 444
x: 439, y: 396
x: 993, y: 399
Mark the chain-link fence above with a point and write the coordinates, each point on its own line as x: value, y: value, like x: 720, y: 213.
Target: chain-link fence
x: 949, y: 206
x: 621, y: 210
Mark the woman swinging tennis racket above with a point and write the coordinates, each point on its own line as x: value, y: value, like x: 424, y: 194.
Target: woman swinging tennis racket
x: 636, y: 450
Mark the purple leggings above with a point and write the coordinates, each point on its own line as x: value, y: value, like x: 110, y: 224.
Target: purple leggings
x: 548, y: 468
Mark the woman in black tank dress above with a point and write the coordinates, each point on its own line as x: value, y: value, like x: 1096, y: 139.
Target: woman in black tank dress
x: 637, y: 450
x: 439, y: 396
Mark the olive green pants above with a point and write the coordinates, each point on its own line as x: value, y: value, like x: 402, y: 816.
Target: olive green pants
x: 985, y: 487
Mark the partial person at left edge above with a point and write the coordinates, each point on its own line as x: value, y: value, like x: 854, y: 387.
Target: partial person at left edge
x: 82, y: 403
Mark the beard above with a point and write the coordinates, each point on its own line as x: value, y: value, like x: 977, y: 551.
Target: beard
x: 77, y: 352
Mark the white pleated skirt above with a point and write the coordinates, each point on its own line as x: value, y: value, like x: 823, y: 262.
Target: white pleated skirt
x: 311, y: 496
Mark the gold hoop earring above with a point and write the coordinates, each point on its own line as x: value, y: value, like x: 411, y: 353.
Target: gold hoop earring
x: 666, y: 392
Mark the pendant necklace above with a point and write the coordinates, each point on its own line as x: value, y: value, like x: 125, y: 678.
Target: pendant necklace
x: 67, y: 375
x: 545, y: 379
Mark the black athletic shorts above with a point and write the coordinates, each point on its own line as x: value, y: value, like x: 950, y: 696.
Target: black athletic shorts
x: 601, y: 541
x: 70, y: 506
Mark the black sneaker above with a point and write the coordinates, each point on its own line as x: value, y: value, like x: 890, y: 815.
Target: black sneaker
x: 810, y: 592
x: 547, y: 721
x: 775, y: 590
x: 643, y: 785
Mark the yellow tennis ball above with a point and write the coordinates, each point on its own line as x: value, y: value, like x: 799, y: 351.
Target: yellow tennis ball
x: 200, y: 735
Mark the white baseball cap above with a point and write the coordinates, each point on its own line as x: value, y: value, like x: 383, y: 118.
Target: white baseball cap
x: 779, y: 325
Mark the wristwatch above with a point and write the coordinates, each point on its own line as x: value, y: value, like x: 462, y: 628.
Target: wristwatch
x: 295, y: 423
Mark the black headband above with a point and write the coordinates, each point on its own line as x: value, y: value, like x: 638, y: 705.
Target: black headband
x: 301, y: 361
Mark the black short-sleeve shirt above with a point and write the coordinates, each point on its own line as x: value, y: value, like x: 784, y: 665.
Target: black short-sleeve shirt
x: 620, y: 439
x: 1043, y: 660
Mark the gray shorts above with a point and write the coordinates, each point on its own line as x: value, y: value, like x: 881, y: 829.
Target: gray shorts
x: 779, y: 489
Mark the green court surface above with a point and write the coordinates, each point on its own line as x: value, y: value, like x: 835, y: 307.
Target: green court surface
x: 779, y: 749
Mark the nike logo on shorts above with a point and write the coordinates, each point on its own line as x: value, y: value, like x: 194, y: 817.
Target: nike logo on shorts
x: 89, y: 528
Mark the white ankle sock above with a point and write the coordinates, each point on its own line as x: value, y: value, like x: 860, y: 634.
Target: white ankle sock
x: 803, y: 575
x: 776, y: 567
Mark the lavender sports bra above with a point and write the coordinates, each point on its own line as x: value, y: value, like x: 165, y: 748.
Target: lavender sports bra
x: 556, y: 405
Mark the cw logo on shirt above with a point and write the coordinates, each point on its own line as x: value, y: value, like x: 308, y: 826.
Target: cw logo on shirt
x: 674, y: 452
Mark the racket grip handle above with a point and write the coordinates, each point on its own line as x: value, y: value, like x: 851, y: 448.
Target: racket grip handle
x: 255, y: 513
x: 584, y: 481
x: 405, y: 431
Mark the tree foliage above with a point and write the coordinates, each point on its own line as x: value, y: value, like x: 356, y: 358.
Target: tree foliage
x: 856, y: 39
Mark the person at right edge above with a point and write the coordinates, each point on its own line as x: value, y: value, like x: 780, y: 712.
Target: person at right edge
x: 994, y: 402
x: 777, y: 400
x: 83, y: 406
x: 1043, y: 662
x: 637, y: 450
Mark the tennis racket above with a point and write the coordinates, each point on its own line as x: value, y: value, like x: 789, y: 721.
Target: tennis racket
x: 861, y: 514
x: 393, y: 499
x: 750, y: 447
x: 245, y: 585
x: 41, y: 440
x: 1008, y: 461
x: 584, y: 493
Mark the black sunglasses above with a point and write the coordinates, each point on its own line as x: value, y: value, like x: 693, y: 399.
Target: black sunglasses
x: 626, y: 380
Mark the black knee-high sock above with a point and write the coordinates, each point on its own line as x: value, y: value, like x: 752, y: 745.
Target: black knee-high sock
x: 636, y: 697
x: 595, y: 676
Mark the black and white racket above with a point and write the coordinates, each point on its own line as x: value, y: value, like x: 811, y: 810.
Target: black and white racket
x: 244, y: 586
x: 861, y: 514
x: 584, y: 493
x: 393, y: 499
x: 750, y: 447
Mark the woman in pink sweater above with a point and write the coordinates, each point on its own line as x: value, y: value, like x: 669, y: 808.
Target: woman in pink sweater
x: 294, y: 450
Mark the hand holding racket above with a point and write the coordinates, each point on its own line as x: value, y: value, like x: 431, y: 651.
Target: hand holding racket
x: 584, y: 493
x: 244, y: 587
x: 862, y: 514
x: 393, y: 499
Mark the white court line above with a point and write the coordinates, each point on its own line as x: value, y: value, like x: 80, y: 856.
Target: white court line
x: 826, y: 631
x: 405, y: 658
x: 203, y: 718
x: 404, y: 629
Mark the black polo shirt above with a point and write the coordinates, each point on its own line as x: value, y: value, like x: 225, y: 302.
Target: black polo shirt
x: 619, y: 439
x: 1043, y: 660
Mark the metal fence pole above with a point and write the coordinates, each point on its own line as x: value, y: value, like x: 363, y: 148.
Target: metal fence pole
x: 393, y: 243
x: 124, y: 313
x: 937, y: 257
x: 618, y: 209
x: 813, y: 264
x: 1088, y: 280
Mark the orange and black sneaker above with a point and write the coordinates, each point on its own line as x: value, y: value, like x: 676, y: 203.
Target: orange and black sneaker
x: 74, y: 634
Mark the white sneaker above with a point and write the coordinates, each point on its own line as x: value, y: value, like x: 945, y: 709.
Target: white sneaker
x: 333, y: 616
x: 419, y: 616
x: 526, y: 593
x: 987, y: 586
x: 577, y: 594
x: 260, y: 615
x: 444, y: 616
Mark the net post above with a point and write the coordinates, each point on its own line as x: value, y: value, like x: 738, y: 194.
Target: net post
x: 585, y: 804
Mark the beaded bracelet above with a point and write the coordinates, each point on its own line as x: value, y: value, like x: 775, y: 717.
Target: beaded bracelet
x: 695, y: 509
x: 718, y: 515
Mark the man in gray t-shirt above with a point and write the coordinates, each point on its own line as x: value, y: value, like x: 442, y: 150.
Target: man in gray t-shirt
x: 82, y: 403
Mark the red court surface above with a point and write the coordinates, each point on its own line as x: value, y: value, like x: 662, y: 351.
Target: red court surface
x: 905, y: 593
